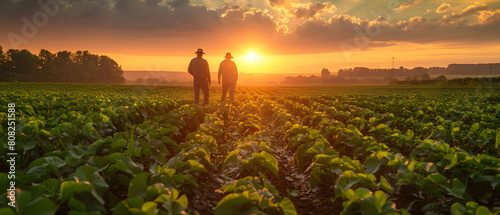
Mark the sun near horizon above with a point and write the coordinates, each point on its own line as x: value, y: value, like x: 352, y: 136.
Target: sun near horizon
x: 252, y: 57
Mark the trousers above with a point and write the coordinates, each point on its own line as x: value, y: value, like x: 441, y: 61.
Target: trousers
x: 202, y: 84
x: 228, y: 85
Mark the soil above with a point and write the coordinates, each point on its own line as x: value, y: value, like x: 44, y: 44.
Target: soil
x: 318, y: 200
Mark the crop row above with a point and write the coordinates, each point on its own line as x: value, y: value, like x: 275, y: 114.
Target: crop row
x: 373, y: 151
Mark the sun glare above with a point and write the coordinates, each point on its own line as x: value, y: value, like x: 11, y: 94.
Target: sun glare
x: 252, y: 56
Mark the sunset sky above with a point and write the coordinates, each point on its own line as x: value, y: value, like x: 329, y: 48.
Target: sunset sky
x: 265, y: 36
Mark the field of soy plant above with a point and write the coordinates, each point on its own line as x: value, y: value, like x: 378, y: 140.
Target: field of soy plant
x: 114, y: 149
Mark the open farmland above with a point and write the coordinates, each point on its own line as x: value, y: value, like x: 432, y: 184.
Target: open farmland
x: 115, y: 149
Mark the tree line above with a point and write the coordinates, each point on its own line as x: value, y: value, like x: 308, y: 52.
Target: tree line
x: 64, y: 66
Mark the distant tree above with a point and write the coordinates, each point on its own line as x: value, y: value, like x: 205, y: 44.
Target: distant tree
x: 87, y: 65
x: 2, y: 58
x: 389, y: 80
x: 46, y: 56
x: 424, y: 77
x: 153, y: 81
x: 23, y: 64
x: 325, y: 76
x: 408, y: 78
x: 139, y: 81
x: 63, y: 66
x: 441, y: 78
x: 3, y: 69
x: 112, y: 72
x: 325, y: 73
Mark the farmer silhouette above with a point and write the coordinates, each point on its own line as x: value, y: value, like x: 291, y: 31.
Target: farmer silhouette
x: 229, y: 74
x: 198, y: 68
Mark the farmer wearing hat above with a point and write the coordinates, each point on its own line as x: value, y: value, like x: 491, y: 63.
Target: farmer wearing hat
x: 229, y: 74
x: 198, y: 68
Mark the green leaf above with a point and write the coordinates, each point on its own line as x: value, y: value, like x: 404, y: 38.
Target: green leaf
x: 76, y: 205
x: 69, y: 188
x: 384, y: 184
x: 287, y: 207
x: 235, y: 204
x: 457, y: 189
x: 457, y: 208
x: 380, y: 199
x: 139, y: 184
x: 52, y: 186
x: 315, y: 177
x: 372, y: 164
x: 347, y: 180
x: 497, y: 142
x: 153, y: 191
x: 482, y: 210
x: 300, y: 156
x: 7, y: 211
x: 232, y: 157
x: 40, y: 206
x: 123, y: 208
x: 27, y: 142
x: 270, y: 162
x: 187, y: 179
x: 454, y: 160
x: 182, y: 202
x: 117, y: 144
x: 49, y: 160
x: 29, y: 109
x: 126, y: 165
x: 105, y: 118
x: 88, y: 174
x: 195, y: 166
x: 150, y: 208
x: 130, y: 148
x: 437, y: 178
x: 473, y: 128
x: 358, y: 194
x: 23, y: 198
x: 164, y: 131
x: 367, y: 206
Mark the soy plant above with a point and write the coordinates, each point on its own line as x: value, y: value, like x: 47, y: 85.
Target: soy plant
x: 155, y: 192
x: 253, y: 156
x: 253, y: 195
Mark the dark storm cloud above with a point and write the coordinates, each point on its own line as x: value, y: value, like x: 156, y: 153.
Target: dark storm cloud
x: 131, y: 14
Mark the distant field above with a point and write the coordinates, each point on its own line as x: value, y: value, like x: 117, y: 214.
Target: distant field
x: 122, y: 149
x: 186, y: 79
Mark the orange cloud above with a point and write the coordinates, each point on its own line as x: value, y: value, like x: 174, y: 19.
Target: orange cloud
x: 459, y: 16
x: 406, y: 5
x: 302, y: 10
x: 312, y: 9
x: 486, y: 17
x: 443, y: 8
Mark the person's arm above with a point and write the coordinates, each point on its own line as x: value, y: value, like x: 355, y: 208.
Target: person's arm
x: 190, y: 67
x: 235, y: 70
x: 208, y: 73
x: 219, y: 73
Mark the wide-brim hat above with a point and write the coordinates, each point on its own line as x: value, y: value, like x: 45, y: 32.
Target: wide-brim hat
x: 199, y: 51
x: 228, y: 55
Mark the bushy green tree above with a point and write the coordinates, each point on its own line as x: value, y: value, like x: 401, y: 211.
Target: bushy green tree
x: 63, y: 66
